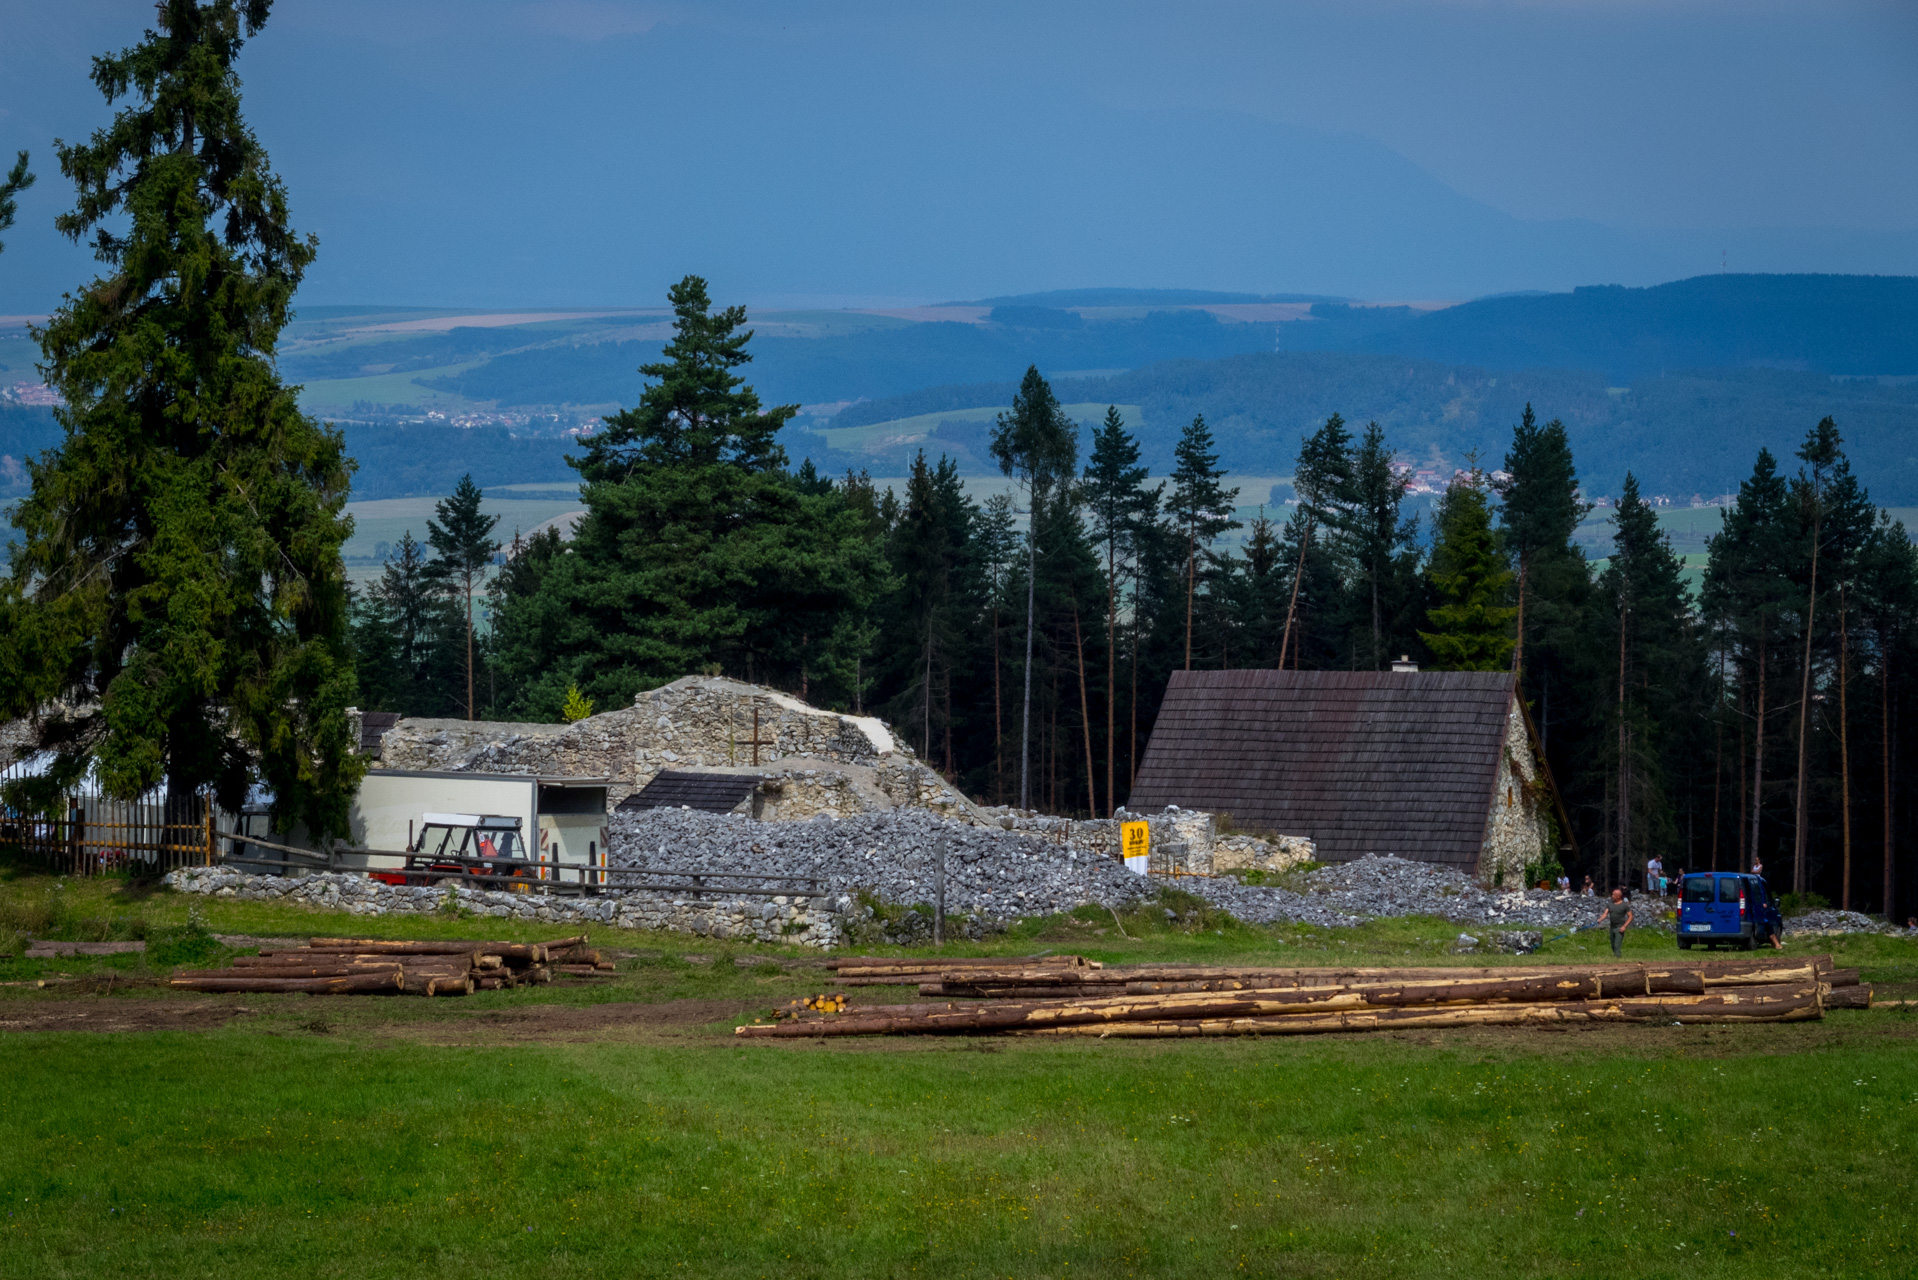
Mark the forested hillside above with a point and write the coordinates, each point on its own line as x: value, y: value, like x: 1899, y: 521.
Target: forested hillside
x: 1682, y: 433
x: 1860, y: 325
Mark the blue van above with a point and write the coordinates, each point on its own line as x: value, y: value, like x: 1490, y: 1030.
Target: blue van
x: 1726, y: 907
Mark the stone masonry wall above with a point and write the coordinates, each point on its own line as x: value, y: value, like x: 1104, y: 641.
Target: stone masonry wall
x: 1516, y: 829
x: 795, y: 921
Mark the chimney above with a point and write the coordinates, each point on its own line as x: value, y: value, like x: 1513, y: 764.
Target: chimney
x: 1405, y: 664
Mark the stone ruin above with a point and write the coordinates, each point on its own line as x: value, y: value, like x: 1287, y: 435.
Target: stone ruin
x: 809, y: 761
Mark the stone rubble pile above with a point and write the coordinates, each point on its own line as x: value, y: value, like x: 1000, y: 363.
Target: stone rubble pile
x: 1827, y: 922
x: 993, y: 875
x: 998, y: 876
x: 795, y: 921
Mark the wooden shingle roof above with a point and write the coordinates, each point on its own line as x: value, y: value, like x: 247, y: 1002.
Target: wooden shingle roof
x: 1360, y: 761
x: 680, y: 788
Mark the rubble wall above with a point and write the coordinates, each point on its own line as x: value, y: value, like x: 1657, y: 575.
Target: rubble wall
x: 793, y: 921
x: 1516, y: 829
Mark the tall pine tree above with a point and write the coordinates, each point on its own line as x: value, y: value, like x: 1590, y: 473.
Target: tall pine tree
x: 464, y: 546
x: 1038, y: 445
x: 1200, y: 505
x: 178, y: 580
x: 697, y: 546
x: 1119, y: 509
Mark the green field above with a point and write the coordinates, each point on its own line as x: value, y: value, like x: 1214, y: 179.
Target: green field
x: 899, y: 431
x: 621, y: 1130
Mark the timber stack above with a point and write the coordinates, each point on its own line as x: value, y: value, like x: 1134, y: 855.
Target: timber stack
x: 1074, y: 997
x: 437, y: 967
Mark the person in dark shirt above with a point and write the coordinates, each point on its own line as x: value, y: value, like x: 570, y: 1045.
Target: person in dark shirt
x: 1618, y: 913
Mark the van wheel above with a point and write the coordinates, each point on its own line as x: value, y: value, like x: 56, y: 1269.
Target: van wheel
x: 1684, y: 944
x: 1750, y: 944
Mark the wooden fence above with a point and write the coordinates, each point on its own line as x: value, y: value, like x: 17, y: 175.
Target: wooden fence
x: 89, y: 834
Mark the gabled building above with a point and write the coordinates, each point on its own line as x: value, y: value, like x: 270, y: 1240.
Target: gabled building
x: 1435, y: 766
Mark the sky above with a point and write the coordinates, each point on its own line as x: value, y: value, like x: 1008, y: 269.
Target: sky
x: 561, y: 153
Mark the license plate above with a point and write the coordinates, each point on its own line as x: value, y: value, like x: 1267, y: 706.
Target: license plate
x: 1699, y: 928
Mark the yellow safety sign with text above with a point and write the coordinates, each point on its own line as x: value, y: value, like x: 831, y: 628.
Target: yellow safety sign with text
x: 1135, y: 838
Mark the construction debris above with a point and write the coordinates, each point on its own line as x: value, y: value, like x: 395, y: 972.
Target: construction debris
x: 437, y: 967
x: 1068, y: 995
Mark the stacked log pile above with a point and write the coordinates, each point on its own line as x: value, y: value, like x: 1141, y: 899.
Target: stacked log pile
x: 1071, y: 996
x: 352, y: 966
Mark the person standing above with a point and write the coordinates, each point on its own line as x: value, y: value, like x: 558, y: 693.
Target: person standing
x: 1618, y: 913
x: 1653, y: 870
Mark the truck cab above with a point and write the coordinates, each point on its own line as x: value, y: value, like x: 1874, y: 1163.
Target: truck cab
x: 1726, y: 908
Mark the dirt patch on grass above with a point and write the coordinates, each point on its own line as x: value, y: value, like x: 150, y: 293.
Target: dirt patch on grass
x: 578, y: 1024
x: 118, y: 1015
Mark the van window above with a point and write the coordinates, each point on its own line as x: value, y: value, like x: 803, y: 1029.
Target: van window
x: 1698, y: 889
x: 1730, y: 889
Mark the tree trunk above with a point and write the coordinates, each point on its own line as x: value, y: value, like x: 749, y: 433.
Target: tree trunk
x: 998, y: 724
x: 1293, y: 604
x: 1518, y: 649
x: 926, y: 713
x: 469, y: 646
x: 1799, y: 833
x: 1112, y: 670
x: 1844, y: 750
x: 1718, y: 757
x: 1191, y: 565
x: 1132, y: 777
x: 1884, y: 758
x: 1085, y: 714
x: 1025, y: 723
x: 1758, y: 746
x: 1624, y: 791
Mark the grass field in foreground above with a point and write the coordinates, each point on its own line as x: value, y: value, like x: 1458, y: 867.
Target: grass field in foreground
x: 574, y: 1131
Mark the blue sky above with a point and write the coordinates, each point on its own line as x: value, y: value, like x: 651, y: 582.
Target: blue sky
x: 586, y: 152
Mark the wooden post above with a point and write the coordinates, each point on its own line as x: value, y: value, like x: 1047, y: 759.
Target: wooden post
x: 206, y: 813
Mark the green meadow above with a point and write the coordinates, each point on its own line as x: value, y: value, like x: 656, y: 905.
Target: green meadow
x: 618, y: 1128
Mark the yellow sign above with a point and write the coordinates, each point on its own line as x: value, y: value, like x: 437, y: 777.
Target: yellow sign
x: 1135, y: 838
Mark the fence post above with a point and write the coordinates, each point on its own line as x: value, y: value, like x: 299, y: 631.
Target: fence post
x: 206, y: 807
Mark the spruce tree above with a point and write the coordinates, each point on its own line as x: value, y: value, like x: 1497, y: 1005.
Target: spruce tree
x: 1654, y: 678
x: 930, y: 604
x: 1472, y: 623
x: 1384, y: 552
x: 1747, y: 598
x: 18, y: 179
x: 1199, y: 504
x: 178, y: 581
x: 462, y: 538
x: 1538, y: 518
x: 1038, y: 445
x: 697, y: 546
x: 1118, y: 507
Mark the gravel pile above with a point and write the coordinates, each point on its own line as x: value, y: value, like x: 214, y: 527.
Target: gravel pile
x: 999, y: 876
x: 1832, y: 921
x: 992, y: 874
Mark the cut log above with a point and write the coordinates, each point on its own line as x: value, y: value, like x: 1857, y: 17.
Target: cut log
x: 318, y: 986
x: 1854, y: 996
x: 530, y: 952
x: 1804, y: 1009
x: 1216, y: 1006
x: 460, y: 986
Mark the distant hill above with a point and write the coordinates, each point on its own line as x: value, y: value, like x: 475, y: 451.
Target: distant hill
x: 1139, y: 298
x: 868, y: 363
x: 1862, y: 325
x: 1681, y: 433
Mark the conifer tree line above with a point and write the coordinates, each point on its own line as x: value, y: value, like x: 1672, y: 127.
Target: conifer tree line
x: 1022, y: 642
x: 176, y: 614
